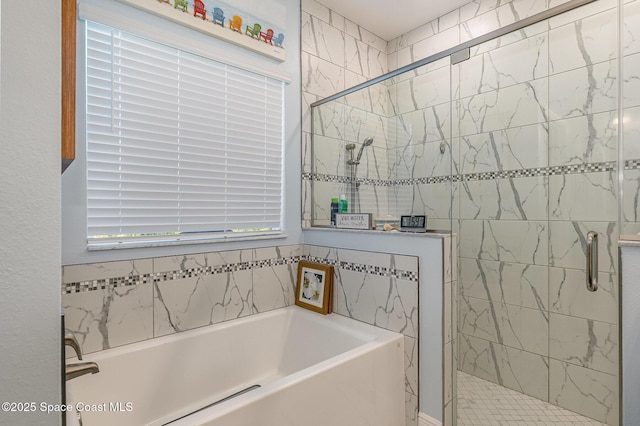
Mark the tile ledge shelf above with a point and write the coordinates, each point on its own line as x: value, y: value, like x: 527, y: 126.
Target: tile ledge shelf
x: 629, y: 241
x: 429, y: 234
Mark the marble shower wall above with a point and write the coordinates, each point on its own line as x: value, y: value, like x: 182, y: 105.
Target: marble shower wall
x: 422, y: 171
x: 331, y: 64
x: 476, y: 18
x: 530, y: 124
x: 535, y: 146
x: 338, y: 54
x: 337, y: 124
x: 533, y: 137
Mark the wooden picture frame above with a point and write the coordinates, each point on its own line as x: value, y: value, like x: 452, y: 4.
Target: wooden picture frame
x: 314, y: 290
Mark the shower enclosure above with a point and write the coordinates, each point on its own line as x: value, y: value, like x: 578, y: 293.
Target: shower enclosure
x: 536, y: 211
x: 357, y: 151
x: 514, y: 142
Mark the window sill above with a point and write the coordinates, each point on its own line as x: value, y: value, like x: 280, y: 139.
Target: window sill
x: 115, y: 245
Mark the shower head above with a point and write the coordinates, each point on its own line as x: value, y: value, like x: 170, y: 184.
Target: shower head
x: 365, y: 143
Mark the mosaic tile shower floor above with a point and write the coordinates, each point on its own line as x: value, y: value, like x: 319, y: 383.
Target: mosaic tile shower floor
x: 482, y: 403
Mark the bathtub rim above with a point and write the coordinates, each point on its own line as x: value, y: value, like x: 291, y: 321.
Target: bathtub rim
x: 361, y: 330
x: 369, y: 338
x: 384, y: 337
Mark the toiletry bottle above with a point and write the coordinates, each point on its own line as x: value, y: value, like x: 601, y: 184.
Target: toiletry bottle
x: 334, y: 210
x: 343, y: 205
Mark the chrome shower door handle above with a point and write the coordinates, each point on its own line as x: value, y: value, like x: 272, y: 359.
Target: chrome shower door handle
x: 592, y: 261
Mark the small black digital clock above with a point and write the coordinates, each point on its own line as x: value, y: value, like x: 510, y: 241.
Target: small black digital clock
x: 413, y: 223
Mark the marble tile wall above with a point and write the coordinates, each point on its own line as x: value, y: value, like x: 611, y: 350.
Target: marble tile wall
x: 385, y: 295
x: 529, y: 124
x: 117, y: 303
x: 472, y: 20
x: 425, y: 100
x: 335, y: 126
x: 422, y: 100
x: 338, y: 54
x: 536, y: 148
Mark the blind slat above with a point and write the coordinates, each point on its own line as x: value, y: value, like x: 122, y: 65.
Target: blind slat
x: 178, y: 143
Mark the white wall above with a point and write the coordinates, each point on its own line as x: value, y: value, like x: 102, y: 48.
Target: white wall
x: 73, y: 182
x: 30, y: 208
x: 630, y: 335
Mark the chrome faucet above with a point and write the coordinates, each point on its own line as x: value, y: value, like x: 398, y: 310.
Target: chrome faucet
x: 79, y: 368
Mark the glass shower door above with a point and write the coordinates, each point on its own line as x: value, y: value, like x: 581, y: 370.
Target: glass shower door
x: 535, y: 149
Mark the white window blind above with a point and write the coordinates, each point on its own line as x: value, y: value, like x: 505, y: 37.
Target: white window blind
x: 178, y: 146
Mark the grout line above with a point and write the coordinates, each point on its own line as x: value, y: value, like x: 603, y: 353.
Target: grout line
x: 481, y: 402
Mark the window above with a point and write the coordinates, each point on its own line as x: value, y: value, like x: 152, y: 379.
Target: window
x: 179, y: 147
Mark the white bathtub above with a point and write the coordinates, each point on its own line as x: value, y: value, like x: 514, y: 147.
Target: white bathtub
x: 312, y: 369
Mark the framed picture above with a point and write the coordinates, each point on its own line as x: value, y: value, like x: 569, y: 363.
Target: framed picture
x: 223, y: 23
x: 315, y: 287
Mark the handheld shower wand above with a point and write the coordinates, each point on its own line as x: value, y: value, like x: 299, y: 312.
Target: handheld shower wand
x: 355, y: 196
x: 351, y: 147
x: 367, y: 142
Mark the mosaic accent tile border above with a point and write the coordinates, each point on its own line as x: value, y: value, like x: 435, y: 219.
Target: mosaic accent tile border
x: 317, y: 177
x: 606, y: 166
x: 134, y: 280
x: 543, y: 171
x: 106, y: 283
x: 102, y: 284
x: 632, y: 164
x: 368, y: 269
x: 423, y: 180
x: 374, y: 182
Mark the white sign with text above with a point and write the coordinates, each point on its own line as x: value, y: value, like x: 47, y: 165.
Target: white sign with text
x: 354, y: 220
